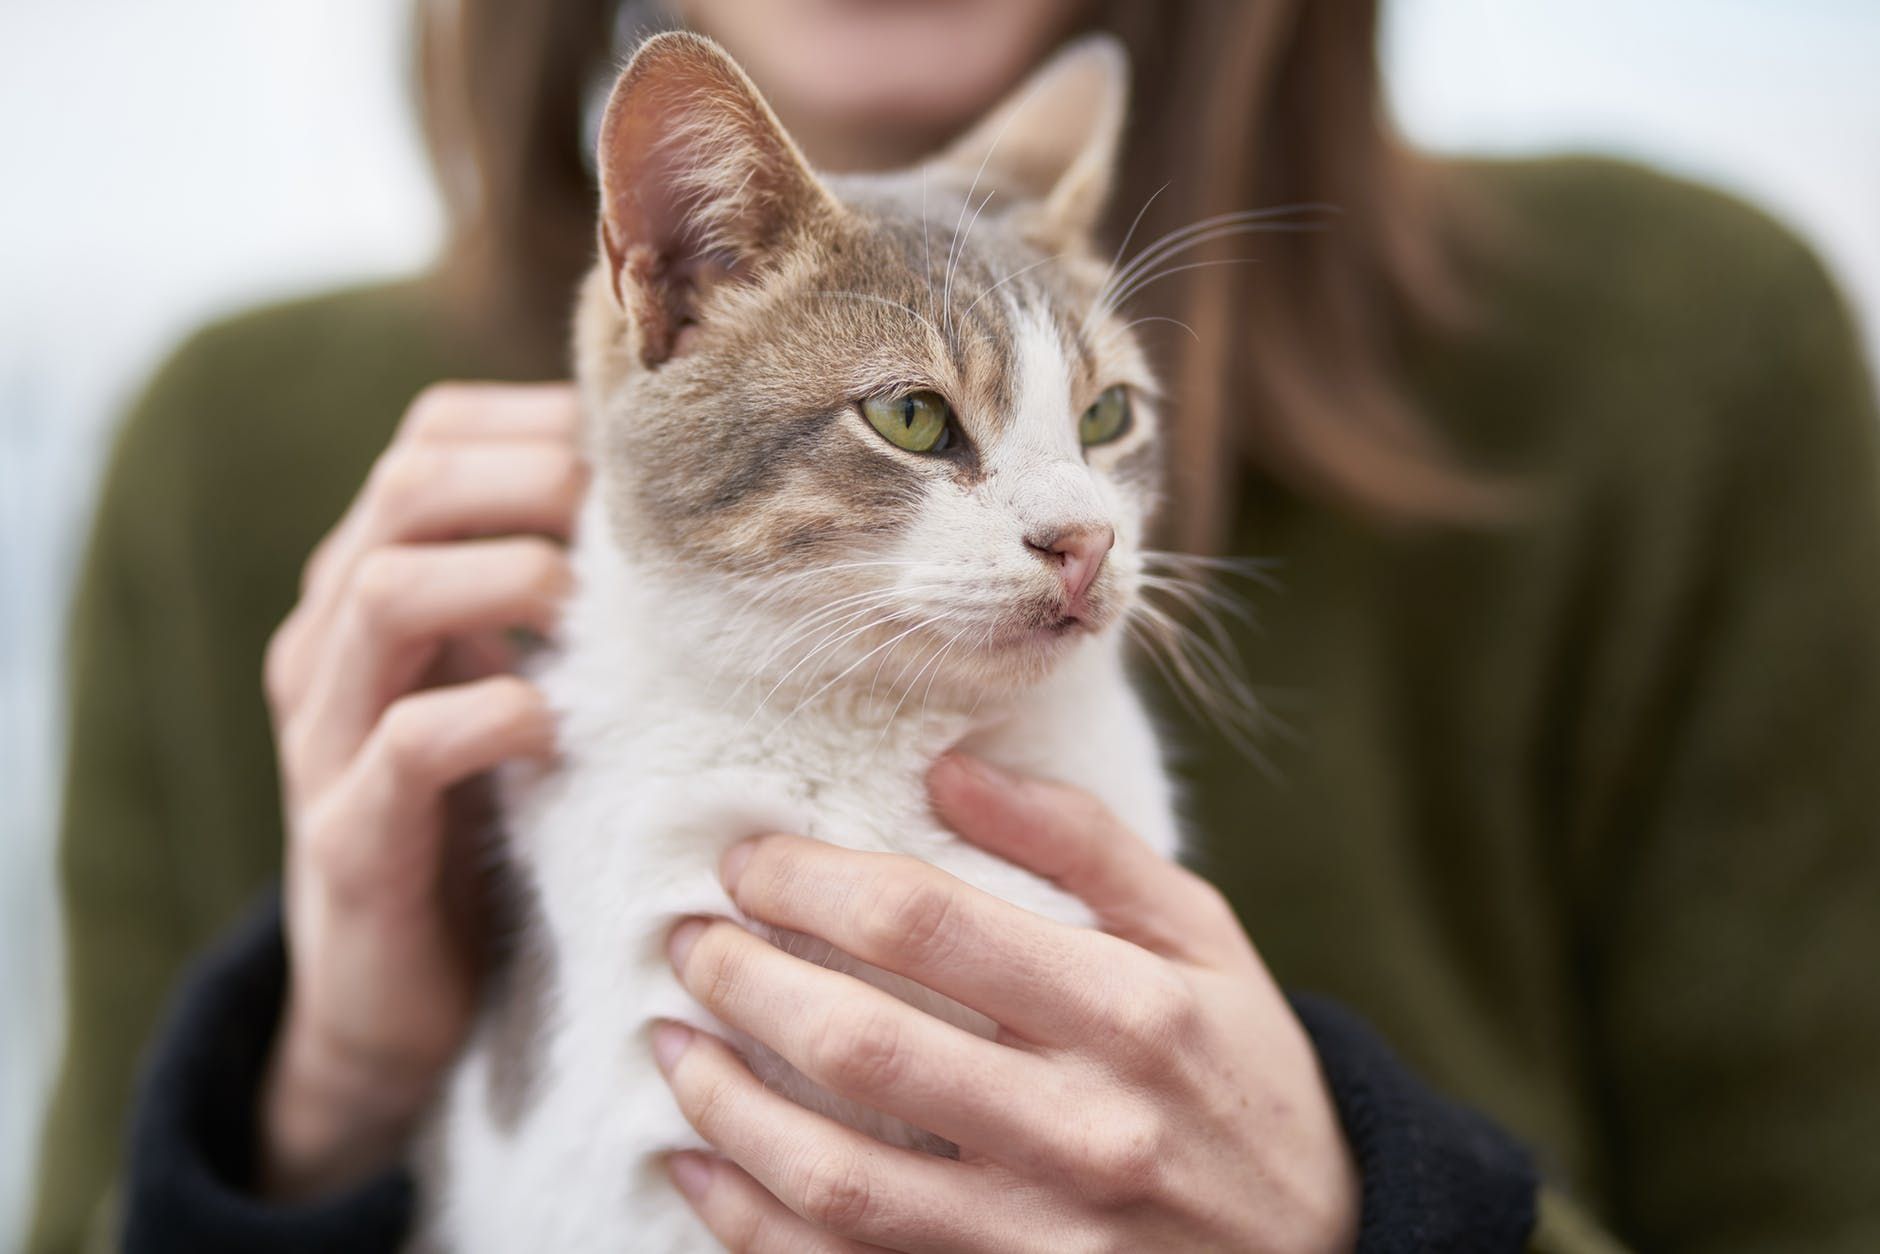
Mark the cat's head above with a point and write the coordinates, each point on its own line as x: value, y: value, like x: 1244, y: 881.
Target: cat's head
x: 889, y: 416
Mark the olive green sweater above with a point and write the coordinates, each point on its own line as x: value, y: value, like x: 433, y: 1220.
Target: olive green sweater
x: 1582, y: 812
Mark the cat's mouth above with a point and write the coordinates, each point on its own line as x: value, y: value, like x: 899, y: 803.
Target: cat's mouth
x: 1064, y: 625
x: 1053, y: 625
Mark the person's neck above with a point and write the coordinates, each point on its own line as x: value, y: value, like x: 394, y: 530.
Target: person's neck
x: 846, y: 146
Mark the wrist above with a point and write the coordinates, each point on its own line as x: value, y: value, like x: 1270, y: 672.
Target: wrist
x: 1331, y: 1203
x: 1342, y: 1202
x: 331, y: 1118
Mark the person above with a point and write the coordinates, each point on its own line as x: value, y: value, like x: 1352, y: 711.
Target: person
x: 1571, y: 476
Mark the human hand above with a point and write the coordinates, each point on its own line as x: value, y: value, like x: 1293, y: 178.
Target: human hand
x: 388, y: 684
x: 1149, y: 1087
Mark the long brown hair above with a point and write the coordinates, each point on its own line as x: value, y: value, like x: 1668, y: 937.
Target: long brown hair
x: 1287, y: 368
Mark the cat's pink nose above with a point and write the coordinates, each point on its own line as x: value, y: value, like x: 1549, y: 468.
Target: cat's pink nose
x: 1078, y: 553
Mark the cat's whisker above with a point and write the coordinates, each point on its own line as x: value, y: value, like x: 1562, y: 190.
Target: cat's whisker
x: 761, y: 608
x: 1176, y: 556
x: 932, y: 662
x: 760, y: 605
x: 817, y: 621
x: 1021, y: 271
x: 1204, y: 679
x: 1152, y: 648
x: 1229, y: 691
x: 1223, y: 647
x: 770, y: 574
x: 1200, y: 598
x: 1252, y: 566
x: 757, y: 618
x: 810, y: 700
x: 1205, y: 584
x: 955, y: 608
x: 1112, y: 295
x: 820, y: 623
x: 1255, y: 570
x: 973, y: 189
x: 926, y: 241
x: 771, y: 585
x: 1202, y: 613
x: 1184, y: 237
x: 1241, y: 730
x: 1117, y: 257
x: 1158, y: 318
x: 753, y: 617
x: 763, y: 703
x: 749, y: 622
x: 874, y: 681
x: 1177, y: 677
x: 900, y: 674
x: 986, y: 630
x: 1121, y: 291
x: 1137, y: 286
x: 959, y: 251
x: 854, y: 607
x: 939, y: 658
x: 836, y: 637
x: 1144, y: 270
x: 892, y: 304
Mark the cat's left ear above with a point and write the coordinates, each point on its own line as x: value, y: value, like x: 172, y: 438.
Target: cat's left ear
x: 1052, y: 144
x: 700, y: 185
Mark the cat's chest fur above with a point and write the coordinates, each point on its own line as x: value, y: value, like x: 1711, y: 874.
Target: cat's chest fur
x: 551, y: 1133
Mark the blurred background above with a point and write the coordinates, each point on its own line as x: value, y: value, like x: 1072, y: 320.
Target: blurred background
x: 165, y: 163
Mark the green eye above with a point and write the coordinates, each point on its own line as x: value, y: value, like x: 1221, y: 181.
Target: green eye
x: 919, y: 422
x: 1107, y: 419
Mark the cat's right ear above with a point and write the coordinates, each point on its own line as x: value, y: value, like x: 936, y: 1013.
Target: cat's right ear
x: 699, y: 184
x: 1053, y: 144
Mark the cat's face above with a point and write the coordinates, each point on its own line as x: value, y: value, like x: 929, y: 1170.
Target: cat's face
x: 892, y: 420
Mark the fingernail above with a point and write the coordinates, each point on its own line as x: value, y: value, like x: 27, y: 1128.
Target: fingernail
x: 683, y: 937
x: 691, y: 1173
x: 734, y: 863
x: 669, y: 1043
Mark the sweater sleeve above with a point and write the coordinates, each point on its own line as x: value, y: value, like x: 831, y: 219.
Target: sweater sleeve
x: 190, y: 1170
x: 1730, y: 913
x: 170, y: 820
x: 1434, y: 1175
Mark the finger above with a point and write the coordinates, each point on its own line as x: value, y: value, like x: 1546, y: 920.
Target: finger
x: 1027, y: 973
x: 464, y: 413
x: 454, y: 410
x: 1070, y: 838
x: 745, y: 1218
x: 427, y: 742
x: 860, y: 1042
x: 402, y: 602
x: 422, y: 491
x: 839, y: 1180
x: 297, y: 646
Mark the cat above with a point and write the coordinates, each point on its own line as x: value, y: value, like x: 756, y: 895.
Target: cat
x: 873, y: 459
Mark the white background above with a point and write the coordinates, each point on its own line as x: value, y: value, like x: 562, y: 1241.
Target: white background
x: 163, y: 162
